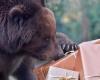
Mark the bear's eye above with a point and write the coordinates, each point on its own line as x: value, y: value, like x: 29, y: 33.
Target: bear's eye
x: 47, y: 39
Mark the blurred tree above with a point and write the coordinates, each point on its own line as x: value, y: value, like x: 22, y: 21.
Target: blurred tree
x: 67, y: 17
x: 92, y: 11
x: 79, y: 19
x: 84, y: 21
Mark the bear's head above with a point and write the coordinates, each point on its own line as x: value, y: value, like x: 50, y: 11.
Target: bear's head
x: 32, y: 30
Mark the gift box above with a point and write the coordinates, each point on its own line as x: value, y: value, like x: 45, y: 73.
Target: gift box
x: 56, y: 73
x: 85, y: 61
x: 71, y: 62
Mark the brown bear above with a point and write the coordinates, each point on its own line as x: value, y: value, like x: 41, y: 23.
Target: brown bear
x: 27, y: 29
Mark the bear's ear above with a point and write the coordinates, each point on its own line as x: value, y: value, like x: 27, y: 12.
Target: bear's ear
x: 18, y: 14
x: 43, y: 2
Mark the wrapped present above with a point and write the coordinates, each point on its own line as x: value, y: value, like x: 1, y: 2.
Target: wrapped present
x: 85, y: 61
x: 72, y: 62
x: 56, y: 73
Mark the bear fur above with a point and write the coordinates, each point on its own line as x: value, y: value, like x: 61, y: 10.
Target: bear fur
x: 27, y: 31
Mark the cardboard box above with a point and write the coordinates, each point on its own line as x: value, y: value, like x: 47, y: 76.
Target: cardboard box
x: 71, y: 62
